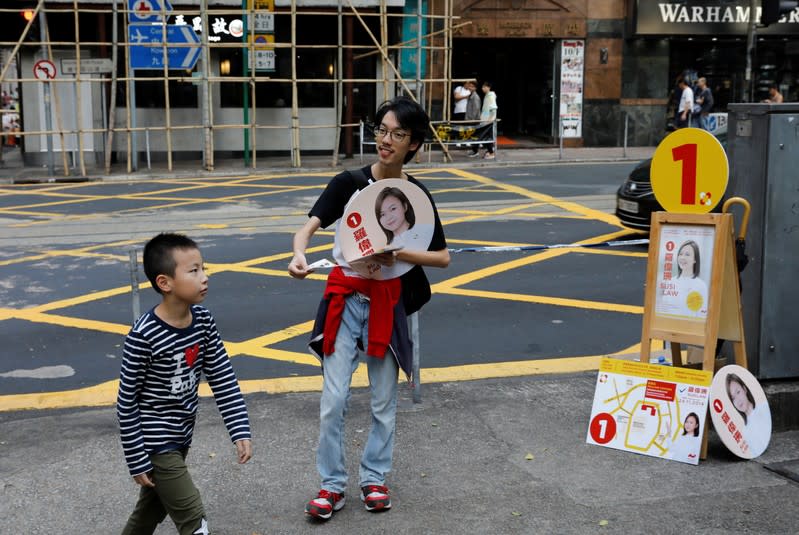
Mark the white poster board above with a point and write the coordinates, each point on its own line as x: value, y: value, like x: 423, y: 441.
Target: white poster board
x: 388, y: 215
x: 740, y: 412
x: 684, y: 266
x: 650, y: 409
x: 572, y: 61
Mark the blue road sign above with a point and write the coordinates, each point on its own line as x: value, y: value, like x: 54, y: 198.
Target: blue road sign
x: 147, y: 10
x: 147, y: 50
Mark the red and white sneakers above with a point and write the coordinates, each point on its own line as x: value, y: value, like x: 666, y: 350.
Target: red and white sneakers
x: 375, y: 497
x: 325, y: 504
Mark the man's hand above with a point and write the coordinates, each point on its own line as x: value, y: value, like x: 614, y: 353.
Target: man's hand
x: 298, y: 267
x: 386, y: 259
x: 244, y: 450
x: 144, y: 480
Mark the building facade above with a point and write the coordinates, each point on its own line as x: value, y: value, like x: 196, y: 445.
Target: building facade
x: 587, y: 71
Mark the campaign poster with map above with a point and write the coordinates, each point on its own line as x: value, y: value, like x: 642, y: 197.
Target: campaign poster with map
x: 650, y: 409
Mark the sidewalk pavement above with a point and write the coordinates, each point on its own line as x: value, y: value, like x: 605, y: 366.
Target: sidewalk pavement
x: 12, y: 169
x: 489, y: 456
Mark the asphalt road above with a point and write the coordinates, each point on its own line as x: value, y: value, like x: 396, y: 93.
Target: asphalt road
x: 65, y: 277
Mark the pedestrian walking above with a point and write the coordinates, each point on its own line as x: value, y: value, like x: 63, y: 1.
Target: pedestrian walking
x: 164, y: 355
x: 704, y: 100
x: 685, y: 106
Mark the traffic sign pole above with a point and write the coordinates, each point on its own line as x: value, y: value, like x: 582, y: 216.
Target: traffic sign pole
x: 245, y: 86
x: 48, y: 117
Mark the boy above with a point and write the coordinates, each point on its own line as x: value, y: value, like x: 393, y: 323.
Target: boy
x: 165, y: 352
x: 400, y: 131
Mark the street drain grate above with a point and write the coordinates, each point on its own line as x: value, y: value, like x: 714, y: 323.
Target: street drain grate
x: 787, y: 469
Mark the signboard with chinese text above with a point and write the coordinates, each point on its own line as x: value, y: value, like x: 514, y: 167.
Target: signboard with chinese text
x: 685, y: 262
x: 572, y: 60
x: 87, y: 66
x: 147, y: 46
x: 388, y: 215
x: 740, y: 412
x: 413, y: 28
x: 263, y: 17
x: 706, y: 306
x: 262, y: 55
x: 650, y: 409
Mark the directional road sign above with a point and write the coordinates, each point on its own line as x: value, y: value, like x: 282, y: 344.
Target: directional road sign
x: 147, y: 51
x: 147, y: 10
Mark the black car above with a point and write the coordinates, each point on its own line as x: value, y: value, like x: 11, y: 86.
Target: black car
x: 635, y: 200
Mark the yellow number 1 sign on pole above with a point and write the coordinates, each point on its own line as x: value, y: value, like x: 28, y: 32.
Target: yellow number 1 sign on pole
x: 689, y: 172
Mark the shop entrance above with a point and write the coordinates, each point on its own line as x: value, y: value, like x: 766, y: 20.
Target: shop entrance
x: 521, y: 70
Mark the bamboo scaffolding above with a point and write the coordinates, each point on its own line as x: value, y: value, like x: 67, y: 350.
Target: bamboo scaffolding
x: 436, y: 43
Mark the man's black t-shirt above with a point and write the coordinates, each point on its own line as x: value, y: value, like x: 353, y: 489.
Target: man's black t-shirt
x: 330, y: 205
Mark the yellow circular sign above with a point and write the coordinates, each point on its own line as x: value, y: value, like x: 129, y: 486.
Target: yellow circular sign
x: 689, y: 171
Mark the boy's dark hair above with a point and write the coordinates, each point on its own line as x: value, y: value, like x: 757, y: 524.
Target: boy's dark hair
x: 410, y: 115
x: 489, y: 83
x: 410, y: 215
x: 159, y: 258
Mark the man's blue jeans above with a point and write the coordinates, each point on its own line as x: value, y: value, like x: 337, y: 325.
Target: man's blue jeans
x: 338, y: 369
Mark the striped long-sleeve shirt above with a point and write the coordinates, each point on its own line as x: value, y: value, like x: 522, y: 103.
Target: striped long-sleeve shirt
x: 158, y: 398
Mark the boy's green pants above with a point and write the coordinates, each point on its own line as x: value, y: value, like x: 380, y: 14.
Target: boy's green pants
x: 174, y: 495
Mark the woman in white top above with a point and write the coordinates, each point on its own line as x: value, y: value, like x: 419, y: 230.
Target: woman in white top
x: 756, y: 416
x: 687, y: 445
x: 688, y: 296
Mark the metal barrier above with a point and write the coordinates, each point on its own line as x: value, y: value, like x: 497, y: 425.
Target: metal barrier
x: 465, y: 130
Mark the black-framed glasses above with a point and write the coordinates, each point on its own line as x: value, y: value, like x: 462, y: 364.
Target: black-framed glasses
x: 396, y: 135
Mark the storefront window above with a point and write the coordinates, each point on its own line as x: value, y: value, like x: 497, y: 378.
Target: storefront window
x: 313, y: 63
x: 150, y: 94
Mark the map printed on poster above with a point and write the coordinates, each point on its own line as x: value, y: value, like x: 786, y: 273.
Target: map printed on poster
x: 684, y: 267
x: 572, y: 55
x: 650, y: 409
x: 388, y: 215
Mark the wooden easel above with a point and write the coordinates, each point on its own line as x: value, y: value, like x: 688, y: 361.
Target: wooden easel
x: 724, y: 319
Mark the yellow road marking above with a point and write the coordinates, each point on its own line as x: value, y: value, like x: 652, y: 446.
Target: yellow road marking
x: 105, y: 394
x: 544, y: 300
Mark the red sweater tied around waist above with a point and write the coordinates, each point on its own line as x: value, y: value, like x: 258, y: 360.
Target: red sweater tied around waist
x: 382, y: 294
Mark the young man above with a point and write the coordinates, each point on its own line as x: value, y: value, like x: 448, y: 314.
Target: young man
x: 461, y: 96
x: 360, y: 305
x: 165, y: 352
x: 704, y: 99
x: 685, y: 106
x: 473, y: 112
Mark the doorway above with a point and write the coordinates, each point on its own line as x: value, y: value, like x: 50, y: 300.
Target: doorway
x: 521, y: 70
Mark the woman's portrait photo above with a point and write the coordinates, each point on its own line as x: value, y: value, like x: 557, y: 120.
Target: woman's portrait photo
x: 394, y: 213
x: 387, y: 216
x: 756, y: 416
x: 684, y: 267
x: 688, y: 442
